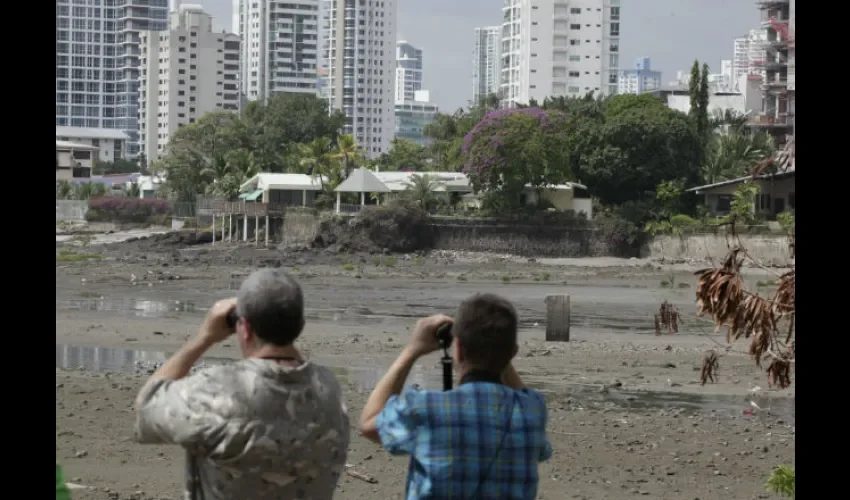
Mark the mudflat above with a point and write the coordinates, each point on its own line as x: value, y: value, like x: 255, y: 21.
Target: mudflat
x: 627, y: 414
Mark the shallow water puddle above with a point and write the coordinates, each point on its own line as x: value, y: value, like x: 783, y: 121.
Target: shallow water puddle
x: 362, y: 378
x: 132, y: 306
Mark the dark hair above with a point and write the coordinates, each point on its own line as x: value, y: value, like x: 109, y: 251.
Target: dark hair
x: 486, y: 326
x: 271, y: 302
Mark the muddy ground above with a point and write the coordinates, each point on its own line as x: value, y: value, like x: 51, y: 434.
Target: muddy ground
x: 628, y: 417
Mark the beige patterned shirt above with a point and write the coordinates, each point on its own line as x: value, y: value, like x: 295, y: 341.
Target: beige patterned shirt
x: 255, y: 429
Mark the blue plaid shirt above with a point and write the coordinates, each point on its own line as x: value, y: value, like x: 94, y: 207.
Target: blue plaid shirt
x: 453, y: 438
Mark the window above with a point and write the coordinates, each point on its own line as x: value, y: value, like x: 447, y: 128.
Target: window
x: 792, y: 201
x: 763, y: 202
x: 615, y: 29
x: 575, y: 42
x: 615, y: 13
x: 575, y: 26
x: 574, y: 74
x: 724, y: 203
x: 575, y: 10
x: 574, y: 90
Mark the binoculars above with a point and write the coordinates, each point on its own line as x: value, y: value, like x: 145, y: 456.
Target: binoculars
x: 444, y: 335
x: 232, y: 318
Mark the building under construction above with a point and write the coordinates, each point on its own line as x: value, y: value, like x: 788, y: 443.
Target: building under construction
x: 778, y: 86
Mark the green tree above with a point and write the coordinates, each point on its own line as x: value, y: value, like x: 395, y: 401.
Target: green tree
x: 512, y: 148
x: 64, y: 190
x: 348, y: 153
x: 626, y: 155
x: 403, y: 154
x: 734, y: 153
x: 698, y: 91
x: 420, y: 189
x: 448, y: 132
x: 119, y: 166
x: 317, y: 159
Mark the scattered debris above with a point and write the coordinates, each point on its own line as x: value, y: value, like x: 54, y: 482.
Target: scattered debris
x: 668, y: 317
x: 359, y: 475
x: 710, y: 366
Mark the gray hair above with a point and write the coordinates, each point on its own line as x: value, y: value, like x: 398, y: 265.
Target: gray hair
x: 271, y: 302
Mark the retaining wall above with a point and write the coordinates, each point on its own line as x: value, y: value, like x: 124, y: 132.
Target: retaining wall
x: 296, y: 229
x: 769, y: 249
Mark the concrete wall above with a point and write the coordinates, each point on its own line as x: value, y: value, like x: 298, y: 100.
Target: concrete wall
x: 298, y: 229
x: 71, y: 209
x: 770, y: 249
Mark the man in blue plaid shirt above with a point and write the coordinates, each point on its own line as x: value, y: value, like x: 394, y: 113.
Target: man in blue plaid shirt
x: 482, y: 440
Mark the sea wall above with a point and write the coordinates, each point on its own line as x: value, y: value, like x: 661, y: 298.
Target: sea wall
x: 768, y: 249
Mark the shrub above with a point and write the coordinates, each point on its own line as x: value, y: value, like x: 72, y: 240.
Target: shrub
x: 124, y: 209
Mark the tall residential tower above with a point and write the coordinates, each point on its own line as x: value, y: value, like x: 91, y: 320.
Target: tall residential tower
x: 280, y: 46
x: 486, y: 56
x: 187, y: 71
x: 408, y: 71
x: 641, y: 78
x: 559, y: 48
x: 361, y: 58
x: 97, y: 62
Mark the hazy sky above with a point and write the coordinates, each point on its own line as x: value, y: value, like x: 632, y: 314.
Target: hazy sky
x: 671, y: 32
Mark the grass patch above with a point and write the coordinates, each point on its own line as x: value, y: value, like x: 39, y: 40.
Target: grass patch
x: 666, y: 284
x: 295, y: 269
x: 66, y: 255
x: 683, y: 284
x: 384, y: 261
x: 461, y: 277
x: 417, y: 261
x: 348, y: 267
x: 506, y: 279
x: 765, y: 284
x: 541, y: 276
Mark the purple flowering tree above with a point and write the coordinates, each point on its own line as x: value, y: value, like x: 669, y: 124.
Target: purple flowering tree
x: 512, y: 148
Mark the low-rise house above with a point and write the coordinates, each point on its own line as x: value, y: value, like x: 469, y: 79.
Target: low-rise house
x: 110, y: 143
x: 281, y: 189
x: 149, y: 185
x: 74, y: 161
x: 776, y: 194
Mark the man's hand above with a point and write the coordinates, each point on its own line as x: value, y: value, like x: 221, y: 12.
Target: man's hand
x: 424, y: 338
x: 215, y: 327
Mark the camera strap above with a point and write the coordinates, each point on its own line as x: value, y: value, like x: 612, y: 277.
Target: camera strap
x: 197, y: 491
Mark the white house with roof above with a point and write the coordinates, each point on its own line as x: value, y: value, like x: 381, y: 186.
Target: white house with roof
x: 74, y: 161
x: 110, y: 144
x: 281, y: 189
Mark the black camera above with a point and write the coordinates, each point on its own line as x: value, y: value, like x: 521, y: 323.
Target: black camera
x: 444, y: 335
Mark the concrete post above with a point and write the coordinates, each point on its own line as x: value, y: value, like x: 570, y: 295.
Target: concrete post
x: 256, y: 230
x: 230, y: 227
x: 213, y: 229
x: 222, y: 228
x: 558, y: 318
x: 267, y: 230
x: 245, y: 228
x: 338, y: 197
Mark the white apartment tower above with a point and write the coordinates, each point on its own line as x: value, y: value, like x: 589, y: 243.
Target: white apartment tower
x: 187, y: 71
x: 408, y: 71
x: 559, y: 48
x: 749, y: 55
x: 97, y: 62
x: 280, y: 46
x: 486, y: 58
x: 361, y: 58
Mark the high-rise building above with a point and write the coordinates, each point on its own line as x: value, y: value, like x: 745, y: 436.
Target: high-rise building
x: 413, y: 115
x: 97, y: 62
x: 361, y: 58
x: 280, y: 46
x: 559, y: 48
x: 641, y: 78
x: 778, y: 115
x: 187, y: 71
x: 408, y: 71
x: 486, y: 57
x: 749, y: 55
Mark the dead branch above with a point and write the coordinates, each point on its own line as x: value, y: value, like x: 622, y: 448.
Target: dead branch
x: 710, y: 365
x: 361, y: 476
x: 721, y: 295
x: 668, y: 317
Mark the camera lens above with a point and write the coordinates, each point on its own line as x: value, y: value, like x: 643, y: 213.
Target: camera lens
x: 444, y: 334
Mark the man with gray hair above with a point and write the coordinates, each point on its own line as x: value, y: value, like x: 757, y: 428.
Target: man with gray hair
x: 272, y: 425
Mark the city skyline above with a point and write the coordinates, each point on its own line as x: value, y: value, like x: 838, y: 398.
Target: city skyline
x: 445, y: 31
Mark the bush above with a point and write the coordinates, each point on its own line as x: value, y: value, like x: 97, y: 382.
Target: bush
x: 399, y: 226
x: 122, y: 209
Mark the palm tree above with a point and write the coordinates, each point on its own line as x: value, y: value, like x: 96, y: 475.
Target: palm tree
x: 64, y: 190
x: 727, y: 119
x: 734, y: 153
x: 316, y: 158
x: 420, y: 189
x: 348, y: 153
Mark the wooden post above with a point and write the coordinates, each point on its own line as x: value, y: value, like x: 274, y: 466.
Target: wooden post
x: 267, y: 230
x: 213, y: 229
x: 558, y: 318
x: 230, y: 228
x: 245, y: 227
x: 256, y: 230
x: 222, y: 228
